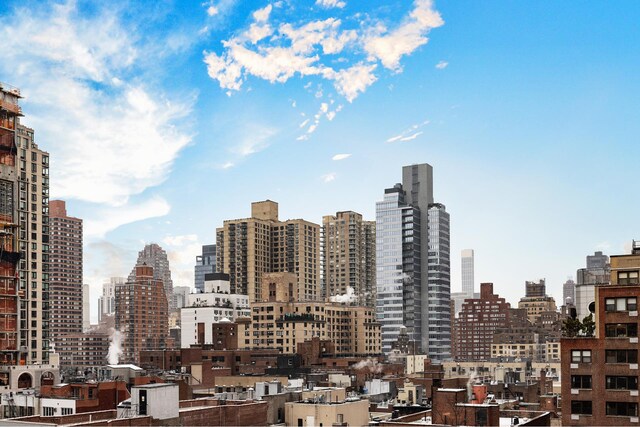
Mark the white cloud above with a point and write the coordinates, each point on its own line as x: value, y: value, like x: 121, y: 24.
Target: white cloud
x: 110, y: 218
x: 303, y: 124
x: 442, y: 65
x: 212, y: 10
x: 255, y: 139
x: 262, y: 15
x: 227, y: 165
x: 315, y: 48
x: 411, y: 137
x: 104, y: 129
x: 352, y: 81
x: 329, y: 177
x: 409, y: 134
x: 390, y: 47
x: 331, y: 3
x: 341, y: 156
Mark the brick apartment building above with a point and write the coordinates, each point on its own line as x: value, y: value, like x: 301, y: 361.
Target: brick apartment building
x: 142, y: 314
x: 601, y: 386
x: 479, y: 319
x: 65, y: 271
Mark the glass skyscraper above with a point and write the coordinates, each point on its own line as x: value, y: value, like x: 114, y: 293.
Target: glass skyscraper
x: 413, y: 264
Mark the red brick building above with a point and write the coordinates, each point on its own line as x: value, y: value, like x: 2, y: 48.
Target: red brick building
x: 479, y: 319
x: 65, y: 271
x: 142, y: 314
x: 601, y: 385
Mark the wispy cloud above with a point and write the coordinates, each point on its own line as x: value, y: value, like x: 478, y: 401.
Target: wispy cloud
x: 277, y: 50
x: 105, y: 129
x: 329, y: 177
x: 409, y: 134
x: 442, y: 65
x: 255, y: 139
x: 341, y: 156
x: 109, y: 218
x: 181, y: 251
x: 331, y: 3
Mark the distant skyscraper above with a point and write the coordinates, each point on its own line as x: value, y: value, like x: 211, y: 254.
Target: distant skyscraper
x: 413, y: 267
x: 65, y: 271
x: 249, y: 247
x: 348, y: 257
x: 468, y: 284
x: 86, y: 308
x: 156, y: 257
x: 569, y: 291
x: 596, y: 272
x: 205, y: 264
x: 181, y: 295
x: 107, y: 302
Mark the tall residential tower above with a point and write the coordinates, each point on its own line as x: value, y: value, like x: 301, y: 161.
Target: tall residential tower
x: 65, y: 288
x: 413, y: 264
x: 249, y: 247
x: 348, y: 258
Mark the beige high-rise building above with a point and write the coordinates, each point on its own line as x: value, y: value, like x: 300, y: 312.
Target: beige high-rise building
x: 280, y: 320
x: 33, y: 210
x: 349, y: 259
x: 249, y: 247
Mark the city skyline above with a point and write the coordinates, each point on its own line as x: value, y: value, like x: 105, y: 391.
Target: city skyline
x: 525, y: 112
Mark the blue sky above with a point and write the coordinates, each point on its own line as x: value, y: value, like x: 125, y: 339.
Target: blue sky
x: 163, y: 118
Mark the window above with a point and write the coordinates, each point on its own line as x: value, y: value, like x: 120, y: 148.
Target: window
x: 48, y: 411
x: 627, y: 409
x: 621, y: 356
x: 67, y: 411
x: 622, y: 383
x: 613, y: 330
x: 580, y: 381
x: 581, y: 407
x: 581, y: 356
x: 620, y: 304
x: 628, y: 278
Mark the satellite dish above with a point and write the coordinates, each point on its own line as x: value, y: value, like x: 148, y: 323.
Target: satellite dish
x: 592, y: 307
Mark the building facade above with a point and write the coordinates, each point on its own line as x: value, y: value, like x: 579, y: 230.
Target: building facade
x: 142, y: 314
x: 281, y: 321
x: 603, y: 370
x: 536, y: 301
x: 247, y: 248
x: 348, y: 258
x: 153, y: 255
x: 205, y: 264
x: 65, y: 272
x: 203, y: 310
x: 87, y: 350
